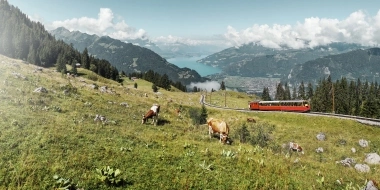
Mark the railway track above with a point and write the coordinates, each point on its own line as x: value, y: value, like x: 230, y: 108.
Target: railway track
x: 363, y: 120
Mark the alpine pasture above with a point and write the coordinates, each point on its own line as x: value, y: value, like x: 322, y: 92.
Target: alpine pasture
x: 49, y: 139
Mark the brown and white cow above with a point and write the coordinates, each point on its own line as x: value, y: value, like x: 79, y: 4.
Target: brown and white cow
x: 295, y: 147
x: 178, y: 111
x: 152, y: 113
x: 250, y: 119
x: 221, y: 127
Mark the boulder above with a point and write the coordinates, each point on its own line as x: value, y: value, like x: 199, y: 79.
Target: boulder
x: 363, y: 143
x: 362, y: 168
x: 319, y: 150
x: 371, y: 185
x: 347, y: 162
x: 41, y: 90
x: 372, y: 158
x: 321, y: 136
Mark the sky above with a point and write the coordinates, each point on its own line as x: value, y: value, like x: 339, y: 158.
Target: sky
x: 215, y: 22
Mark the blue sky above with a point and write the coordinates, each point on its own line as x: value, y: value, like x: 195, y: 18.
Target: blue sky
x: 270, y: 23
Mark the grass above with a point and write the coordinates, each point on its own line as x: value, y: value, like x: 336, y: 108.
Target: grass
x: 43, y: 135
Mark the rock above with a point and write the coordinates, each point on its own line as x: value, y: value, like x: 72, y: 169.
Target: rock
x: 347, y: 162
x: 321, y: 136
x: 362, y: 168
x: 372, y: 158
x: 363, y: 143
x: 371, y: 186
x: 319, y: 150
x: 41, y: 90
x: 353, y: 150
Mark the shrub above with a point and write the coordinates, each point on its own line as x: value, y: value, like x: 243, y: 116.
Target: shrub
x: 262, y: 134
x: 243, y: 134
x: 198, y: 116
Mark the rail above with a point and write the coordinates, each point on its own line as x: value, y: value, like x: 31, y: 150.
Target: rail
x: 363, y: 120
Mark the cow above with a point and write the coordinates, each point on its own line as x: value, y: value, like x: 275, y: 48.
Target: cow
x: 152, y: 113
x: 221, y: 127
x: 295, y: 147
x: 251, y: 120
x: 178, y: 112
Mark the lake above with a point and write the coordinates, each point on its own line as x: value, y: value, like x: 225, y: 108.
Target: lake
x: 191, y: 63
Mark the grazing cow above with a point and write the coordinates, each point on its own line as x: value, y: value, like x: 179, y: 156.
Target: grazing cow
x: 152, y: 113
x: 219, y: 126
x: 295, y: 147
x: 178, y: 111
x: 251, y: 120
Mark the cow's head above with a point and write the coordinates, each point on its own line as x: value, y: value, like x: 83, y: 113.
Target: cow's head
x: 224, y: 138
x: 143, y: 119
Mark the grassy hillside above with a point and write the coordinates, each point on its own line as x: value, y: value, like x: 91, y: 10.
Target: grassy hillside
x: 43, y: 135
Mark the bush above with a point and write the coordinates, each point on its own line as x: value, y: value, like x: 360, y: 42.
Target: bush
x: 198, y: 116
x: 243, y: 134
x: 262, y: 134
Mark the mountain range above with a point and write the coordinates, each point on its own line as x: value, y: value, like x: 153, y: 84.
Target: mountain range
x: 294, y: 65
x: 252, y: 60
x: 126, y: 57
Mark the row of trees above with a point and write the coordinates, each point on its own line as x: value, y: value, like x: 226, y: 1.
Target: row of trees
x: 343, y: 96
x: 162, y: 81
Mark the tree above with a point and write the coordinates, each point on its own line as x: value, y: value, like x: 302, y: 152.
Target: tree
x: 195, y: 89
x: 222, y: 86
x: 287, y: 92
x: 165, y: 82
x: 74, y: 68
x: 203, y: 116
x: 310, y: 91
x: 294, y: 93
x: 280, y: 92
x: 85, y: 59
x: 154, y: 87
x: 301, y: 91
x: 265, y: 96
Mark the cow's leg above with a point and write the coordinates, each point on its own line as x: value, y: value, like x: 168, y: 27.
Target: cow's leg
x: 210, y: 131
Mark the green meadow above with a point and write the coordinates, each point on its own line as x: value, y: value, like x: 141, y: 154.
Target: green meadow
x: 51, y: 141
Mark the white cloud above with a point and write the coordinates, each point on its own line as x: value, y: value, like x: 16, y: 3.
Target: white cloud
x: 215, y: 40
x: 356, y: 28
x: 208, y: 85
x: 104, y: 25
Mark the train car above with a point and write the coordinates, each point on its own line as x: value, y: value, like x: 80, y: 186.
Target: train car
x: 281, y: 105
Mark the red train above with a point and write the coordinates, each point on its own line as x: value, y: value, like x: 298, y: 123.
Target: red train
x: 281, y: 105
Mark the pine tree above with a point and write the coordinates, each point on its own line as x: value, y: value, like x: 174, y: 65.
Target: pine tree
x: 310, y: 91
x: 154, y: 87
x: 294, y: 93
x: 85, y: 59
x: 280, y: 92
x: 203, y: 115
x: 301, y: 91
x: 287, y: 92
x: 265, y: 95
x: 222, y: 86
x: 74, y: 70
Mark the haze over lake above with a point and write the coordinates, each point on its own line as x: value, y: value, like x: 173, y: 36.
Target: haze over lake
x: 191, y: 63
